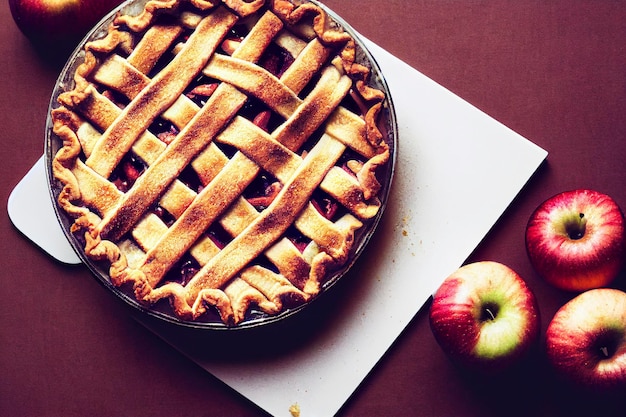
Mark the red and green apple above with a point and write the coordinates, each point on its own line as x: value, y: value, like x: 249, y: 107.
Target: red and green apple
x: 576, y: 240
x: 484, y: 316
x: 586, y: 339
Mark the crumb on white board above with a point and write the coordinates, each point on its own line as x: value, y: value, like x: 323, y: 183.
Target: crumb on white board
x: 295, y: 410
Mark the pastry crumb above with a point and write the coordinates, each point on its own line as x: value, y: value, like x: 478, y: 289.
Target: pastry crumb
x: 295, y: 410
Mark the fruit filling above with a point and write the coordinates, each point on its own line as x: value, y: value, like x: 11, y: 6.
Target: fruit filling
x: 200, y: 92
x: 298, y: 239
x: 276, y: 60
x: 127, y: 172
x: 184, y: 270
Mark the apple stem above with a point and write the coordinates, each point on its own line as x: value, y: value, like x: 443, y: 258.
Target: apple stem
x: 490, y: 313
x: 605, y: 351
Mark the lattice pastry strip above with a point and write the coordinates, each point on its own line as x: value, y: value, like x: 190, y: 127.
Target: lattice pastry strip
x: 155, y: 88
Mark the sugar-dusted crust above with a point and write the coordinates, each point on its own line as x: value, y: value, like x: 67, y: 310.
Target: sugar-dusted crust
x: 126, y: 85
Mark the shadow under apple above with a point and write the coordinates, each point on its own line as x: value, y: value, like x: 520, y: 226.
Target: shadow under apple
x: 531, y: 387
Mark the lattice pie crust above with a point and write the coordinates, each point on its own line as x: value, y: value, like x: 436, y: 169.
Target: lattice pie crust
x: 220, y: 154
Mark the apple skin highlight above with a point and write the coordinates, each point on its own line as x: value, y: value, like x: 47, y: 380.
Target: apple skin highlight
x: 485, y: 317
x: 586, y: 339
x: 576, y: 240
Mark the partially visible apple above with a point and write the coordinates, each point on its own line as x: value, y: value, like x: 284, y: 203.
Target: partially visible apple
x: 576, y: 240
x: 484, y: 316
x: 51, y: 22
x: 586, y: 339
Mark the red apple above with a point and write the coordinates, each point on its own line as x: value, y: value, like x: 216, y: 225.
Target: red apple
x: 576, y: 240
x: 484, y: 316
x: 586, y: 339
x: 53, y: 22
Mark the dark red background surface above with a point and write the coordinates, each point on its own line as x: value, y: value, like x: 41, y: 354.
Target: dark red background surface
x: 553, y: 71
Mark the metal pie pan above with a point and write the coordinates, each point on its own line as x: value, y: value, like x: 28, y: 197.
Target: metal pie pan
x: 160, y: 311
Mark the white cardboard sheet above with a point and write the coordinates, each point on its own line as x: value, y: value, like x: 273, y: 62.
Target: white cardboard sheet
x: 448, y: 152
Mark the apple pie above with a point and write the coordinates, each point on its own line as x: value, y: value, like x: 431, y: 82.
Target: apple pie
x: 221, y: 157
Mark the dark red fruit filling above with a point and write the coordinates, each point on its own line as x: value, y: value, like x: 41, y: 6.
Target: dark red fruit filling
x: 261, y: 202
x: 238, y: 32
x: 298, y: 239
x: 127, y: 172
x: 325, y: 204
x: 262, y: 191
x: 200, y: 91
x: 164, y: 215
x: 164, y: 130
x: 116, y: 98
x: 262, y: 119
x: 258, y: 113
x: 276, y: 60
x: 183, y: 271
x: 190, y: 178
x: 219, y: 236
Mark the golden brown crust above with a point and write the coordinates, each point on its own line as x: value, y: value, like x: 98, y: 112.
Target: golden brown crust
x: 124, y: 86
